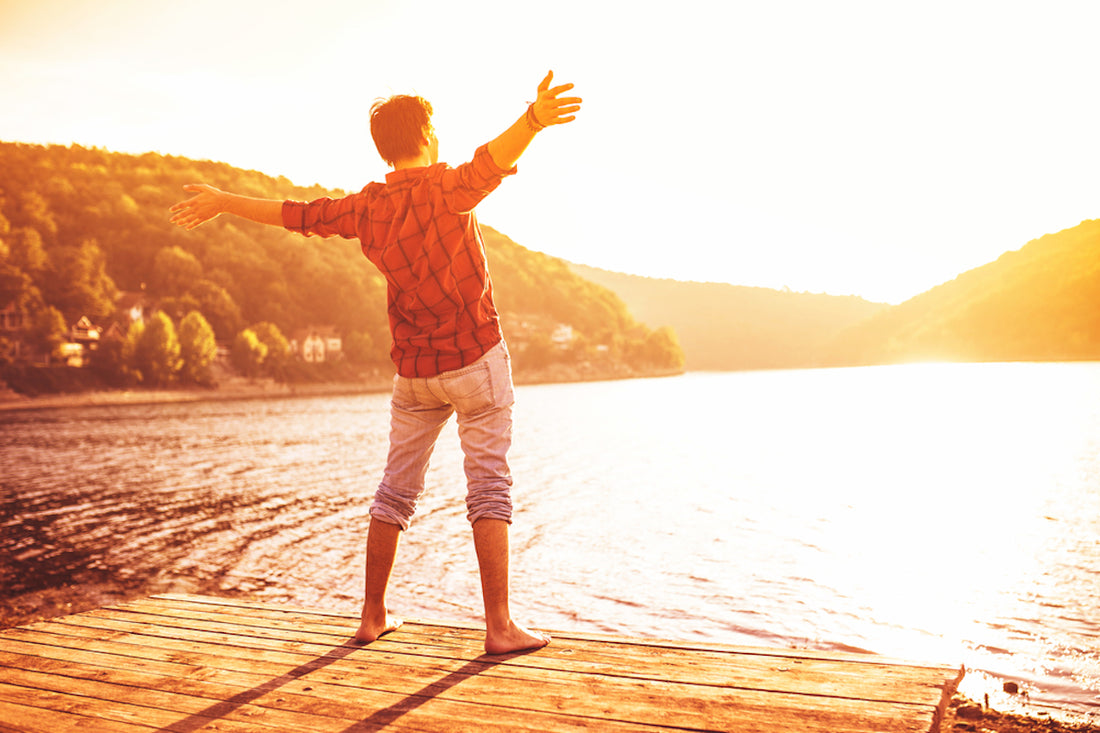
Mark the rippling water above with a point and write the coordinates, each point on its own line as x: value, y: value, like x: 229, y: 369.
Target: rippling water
x: 947, y: 513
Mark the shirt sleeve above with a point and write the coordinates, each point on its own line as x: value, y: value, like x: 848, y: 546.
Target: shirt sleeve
x: 324, y: 217
x: 465, y: 186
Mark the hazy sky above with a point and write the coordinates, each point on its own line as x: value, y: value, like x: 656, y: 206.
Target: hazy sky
x: 870, y: 148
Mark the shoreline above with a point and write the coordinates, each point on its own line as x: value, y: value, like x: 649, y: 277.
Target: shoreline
x: 138, y: 396
x: 964, y: 714
x: 243, y: 389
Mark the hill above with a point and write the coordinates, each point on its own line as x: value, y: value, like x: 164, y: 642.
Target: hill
x: 723, y: 326
x: 1038, y: 303
x: 81, y: 227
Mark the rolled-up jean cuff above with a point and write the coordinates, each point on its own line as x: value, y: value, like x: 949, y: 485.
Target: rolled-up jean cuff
x: 384, y: 510
x: 490, y: 510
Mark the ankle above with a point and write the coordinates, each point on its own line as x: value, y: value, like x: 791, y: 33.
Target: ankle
x: 498, y: 621
x: 372, y: 610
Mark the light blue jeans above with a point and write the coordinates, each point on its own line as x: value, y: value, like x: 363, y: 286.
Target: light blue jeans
x: 482, y: 396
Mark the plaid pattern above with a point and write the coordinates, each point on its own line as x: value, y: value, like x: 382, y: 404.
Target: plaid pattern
x: 419, y: 230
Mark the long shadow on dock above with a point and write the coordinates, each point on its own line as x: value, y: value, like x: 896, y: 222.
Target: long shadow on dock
x: 376, y: 722
x: 380, y: 719
x: 220, y: 709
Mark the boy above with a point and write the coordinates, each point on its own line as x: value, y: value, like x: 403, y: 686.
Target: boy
x: 419, y: 229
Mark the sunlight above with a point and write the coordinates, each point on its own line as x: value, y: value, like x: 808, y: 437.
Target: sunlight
x: 739, y: 185
x: 974, y: 454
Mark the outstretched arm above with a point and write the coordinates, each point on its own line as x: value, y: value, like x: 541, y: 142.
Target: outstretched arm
x: 208, y: 202
x: 548, y: 109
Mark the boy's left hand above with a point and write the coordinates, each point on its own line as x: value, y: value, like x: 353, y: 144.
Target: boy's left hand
x: 549, y: 109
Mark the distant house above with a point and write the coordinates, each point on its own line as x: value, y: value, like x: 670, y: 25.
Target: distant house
x: 133, y: 305
x: 316, y: 344
x: 84, y: 338
x: 562, y: 336
x: 114, y: 332
x: 85, y: 334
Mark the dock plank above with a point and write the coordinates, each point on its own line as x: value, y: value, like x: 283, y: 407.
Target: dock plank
x: 186, y: 663
x: 892, y: 681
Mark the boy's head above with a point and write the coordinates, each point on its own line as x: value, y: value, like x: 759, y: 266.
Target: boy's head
x: 401, y: 126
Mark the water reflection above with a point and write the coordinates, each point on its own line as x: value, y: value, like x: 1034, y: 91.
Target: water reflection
x: 939, y: 512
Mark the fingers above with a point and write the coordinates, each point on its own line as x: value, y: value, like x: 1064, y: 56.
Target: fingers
x: 557, y: 90
x: 189, y: 213
x: 195, y: 187
x: 552, y: 110
x: 545, y: 83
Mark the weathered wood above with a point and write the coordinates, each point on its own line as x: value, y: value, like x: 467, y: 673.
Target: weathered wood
x: 187, y: 663
x: 789, y: 670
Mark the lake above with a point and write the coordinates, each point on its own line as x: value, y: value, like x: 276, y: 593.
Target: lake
x: 934, y: 512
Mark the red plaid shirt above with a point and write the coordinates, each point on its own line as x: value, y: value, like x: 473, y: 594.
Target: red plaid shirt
x: 419, y: 230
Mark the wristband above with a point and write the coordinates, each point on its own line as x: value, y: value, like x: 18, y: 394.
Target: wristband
x: 533, y: 123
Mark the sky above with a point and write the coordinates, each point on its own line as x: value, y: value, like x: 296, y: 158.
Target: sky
x: 853, y: 148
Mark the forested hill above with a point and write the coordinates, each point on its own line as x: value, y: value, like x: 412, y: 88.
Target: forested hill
x: 725, y: 326
x: 78, y: 226
x: 1038, y: 303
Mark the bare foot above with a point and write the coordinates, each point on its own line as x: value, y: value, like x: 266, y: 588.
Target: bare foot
x: 372, y: 627
x: 514, y: 638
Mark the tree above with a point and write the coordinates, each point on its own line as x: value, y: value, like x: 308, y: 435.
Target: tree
x: 175, y: 271
x: 248, y: 353
x: 27, y: 252
x: 198, y: 349
x: 131, y: 347
x: 110, y: 362
x: 278, y: 348
x: 80, y: 285
x: 34, y: 211
x: 155, y: 350
x: 359, y: 348
x: 13, y: 284
x: 662, y: 349
x: 47, y: 331
x: 218, y: 307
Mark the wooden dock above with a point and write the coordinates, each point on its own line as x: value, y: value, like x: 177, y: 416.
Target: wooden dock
x: 191, y: 663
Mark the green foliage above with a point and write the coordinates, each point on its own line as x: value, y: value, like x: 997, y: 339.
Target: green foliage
x: 248, y: 353
x: 359, y: 348
x: 48, y: 331
x: 277, y: 354
x: 78, y: 284
x: 82, y: 224
x: 154, y: 350
x: 15, y: 284
x: 109, y: 362
x: 218, y: 306
x: 662, y: 349
x: 26, y: 251
x: 278, y: 348
x: 174, y: 271
x: 198, y: 349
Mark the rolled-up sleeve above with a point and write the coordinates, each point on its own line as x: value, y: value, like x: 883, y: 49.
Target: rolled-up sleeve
x: 324, y: 217
x: 465, y: 186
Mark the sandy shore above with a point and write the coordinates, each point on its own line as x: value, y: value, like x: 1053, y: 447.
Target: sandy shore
x: 967, y: 715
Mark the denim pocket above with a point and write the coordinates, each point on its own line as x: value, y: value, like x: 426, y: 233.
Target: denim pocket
x: 470, y: 390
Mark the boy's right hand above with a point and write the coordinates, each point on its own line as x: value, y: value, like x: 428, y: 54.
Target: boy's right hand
x: 200, y: 208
